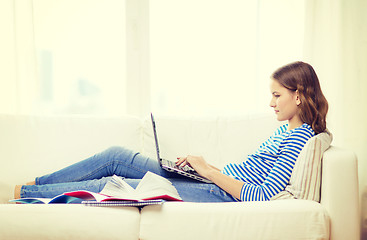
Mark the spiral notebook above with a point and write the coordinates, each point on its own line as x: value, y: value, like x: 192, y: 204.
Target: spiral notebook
x: 123, y: 203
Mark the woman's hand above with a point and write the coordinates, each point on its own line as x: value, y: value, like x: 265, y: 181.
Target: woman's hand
x: 196, y: 162
x: 228, y: 184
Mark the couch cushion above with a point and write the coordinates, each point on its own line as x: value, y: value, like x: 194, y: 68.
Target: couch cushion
x: 68, y: 221
x: 284, y: 219
x: 305, y: 181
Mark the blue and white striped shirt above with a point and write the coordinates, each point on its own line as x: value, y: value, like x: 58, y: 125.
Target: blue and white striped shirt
x: 267, y: 171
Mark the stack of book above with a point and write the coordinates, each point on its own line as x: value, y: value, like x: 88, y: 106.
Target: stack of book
x: 152, y: 190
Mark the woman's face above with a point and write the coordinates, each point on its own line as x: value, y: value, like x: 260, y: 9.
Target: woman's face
x: 285, y: 103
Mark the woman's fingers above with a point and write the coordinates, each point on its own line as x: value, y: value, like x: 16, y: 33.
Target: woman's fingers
x: 181, y: 160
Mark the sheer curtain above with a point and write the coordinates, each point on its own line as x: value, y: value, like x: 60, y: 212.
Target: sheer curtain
x: 336, y: 44
x: 63, y: 57
x: 18, y: 74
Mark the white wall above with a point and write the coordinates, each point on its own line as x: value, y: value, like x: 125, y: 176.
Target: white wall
x: 336, y: 44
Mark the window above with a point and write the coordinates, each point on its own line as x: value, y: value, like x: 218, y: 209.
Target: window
x: 173, y: 57
x: 80, y: 49
x: 215, y: 57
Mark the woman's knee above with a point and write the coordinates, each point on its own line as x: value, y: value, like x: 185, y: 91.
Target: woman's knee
x: 115, y: 149
x: 118, y: 153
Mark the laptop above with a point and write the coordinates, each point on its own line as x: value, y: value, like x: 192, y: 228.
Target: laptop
x: 171, y: 165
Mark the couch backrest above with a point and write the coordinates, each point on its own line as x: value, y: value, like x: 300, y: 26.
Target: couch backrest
x: 35, y: 145
x: 31, y: 146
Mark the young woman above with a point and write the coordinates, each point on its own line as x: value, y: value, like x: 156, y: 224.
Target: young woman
x: 296, y: 98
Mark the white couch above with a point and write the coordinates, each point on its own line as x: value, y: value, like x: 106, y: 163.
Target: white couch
x: 31, y: 146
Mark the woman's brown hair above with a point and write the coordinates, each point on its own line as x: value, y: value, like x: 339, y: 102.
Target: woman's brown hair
x: 301, y: 77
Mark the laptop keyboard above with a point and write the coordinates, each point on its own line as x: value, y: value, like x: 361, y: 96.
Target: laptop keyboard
x: 186, y: 171
x: 186, y: 168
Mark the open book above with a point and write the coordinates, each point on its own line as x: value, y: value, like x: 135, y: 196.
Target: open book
x: 151, y: 187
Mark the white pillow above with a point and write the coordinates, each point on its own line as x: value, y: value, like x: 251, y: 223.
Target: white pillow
x: 305, y: 181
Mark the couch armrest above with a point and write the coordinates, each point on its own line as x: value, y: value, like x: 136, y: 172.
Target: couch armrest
x: 339, y: 193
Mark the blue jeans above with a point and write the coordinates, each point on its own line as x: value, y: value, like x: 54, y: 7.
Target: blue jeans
x: 93, y: 173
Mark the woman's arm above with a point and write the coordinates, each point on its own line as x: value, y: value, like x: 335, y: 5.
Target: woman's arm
x: 279, y: 175
x: 228, y: 184
x: 214, y: 167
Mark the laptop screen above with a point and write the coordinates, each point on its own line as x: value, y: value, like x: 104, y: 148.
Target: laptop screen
x: 155, y: 138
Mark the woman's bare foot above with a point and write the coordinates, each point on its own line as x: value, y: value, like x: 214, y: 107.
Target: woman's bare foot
x: 19, y: 187
x: 31, y: 183
x: 17, y: 191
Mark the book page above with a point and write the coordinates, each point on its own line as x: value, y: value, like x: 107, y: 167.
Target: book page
x: 153, y: 185
x: 32, y: 200
x: 117, y: 187
x: 86, y: 195
x: 58, y: 199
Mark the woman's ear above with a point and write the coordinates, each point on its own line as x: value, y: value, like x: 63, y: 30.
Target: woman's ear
x: 298, y: 99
